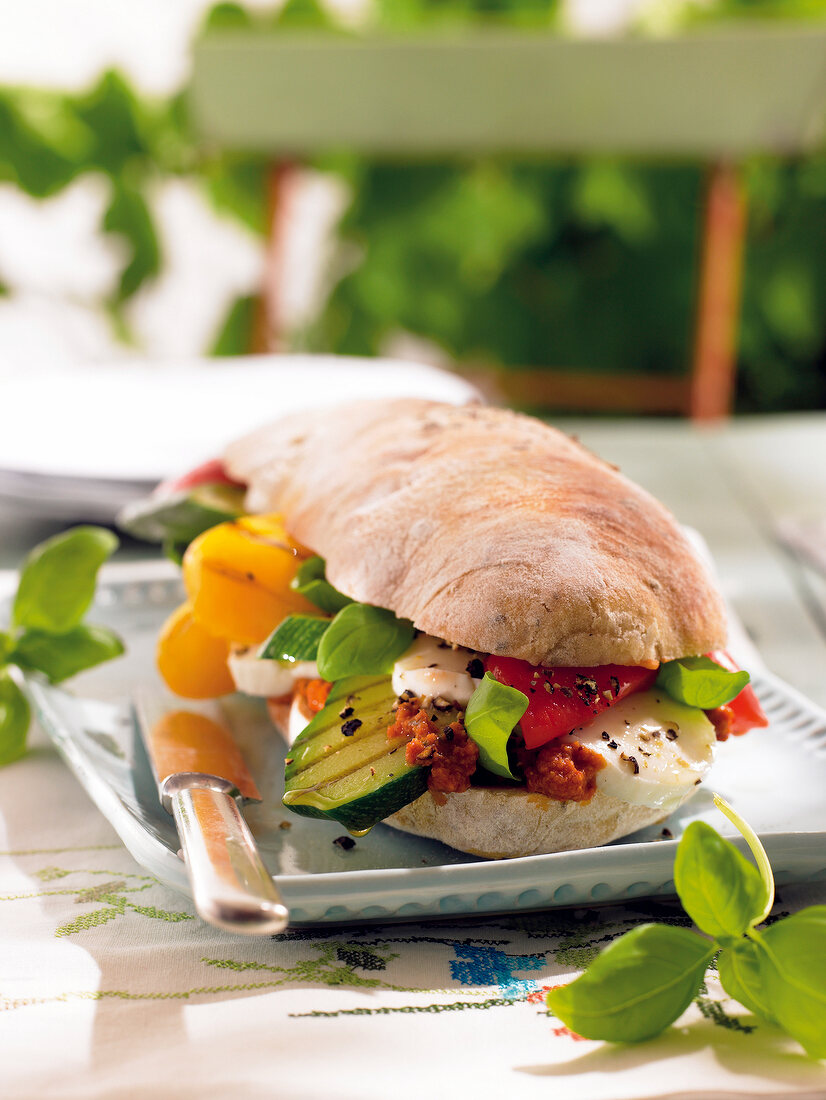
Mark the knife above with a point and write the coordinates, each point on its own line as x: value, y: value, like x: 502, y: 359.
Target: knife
x: 202, y: 778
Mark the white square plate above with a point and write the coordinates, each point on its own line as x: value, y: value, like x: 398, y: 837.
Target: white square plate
x: 774, y: 777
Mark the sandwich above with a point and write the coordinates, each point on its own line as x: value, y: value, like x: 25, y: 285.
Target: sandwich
x: 468, y: 626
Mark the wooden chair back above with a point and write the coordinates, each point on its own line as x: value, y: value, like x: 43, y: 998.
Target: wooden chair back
x: 715, y: 96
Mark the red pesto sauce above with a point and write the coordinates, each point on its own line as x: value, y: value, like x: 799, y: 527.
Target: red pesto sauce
x: 565, y: 772
x: 450, y: 754
x: 313, y: 692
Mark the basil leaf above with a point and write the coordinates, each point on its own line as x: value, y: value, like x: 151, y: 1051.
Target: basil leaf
x: 361, y: 640
x: 492, y: 712
x: 739, y: 970
x: 757, y: 850
x: 310, y: 583
x: 719, y: 889
x: 295, y: 639
x: 312, y: 569
x: 700, y: 682
x: 57, y: 582
x: 60, y: 656
x: 6, y: 646
x: 14, y: 720
x: 793, y: 970
x: 638, y: 986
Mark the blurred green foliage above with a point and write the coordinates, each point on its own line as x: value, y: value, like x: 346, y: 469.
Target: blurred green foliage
x: 691, y: 14
x: 522, y: 264
x: 47, y: 140
x: 588, y: 265
x: 398, y: 15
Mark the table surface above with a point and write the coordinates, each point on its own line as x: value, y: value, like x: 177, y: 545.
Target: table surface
x: 107, y: 974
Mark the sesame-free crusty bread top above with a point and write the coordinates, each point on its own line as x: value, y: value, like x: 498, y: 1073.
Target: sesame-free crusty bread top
x: 486, y: 528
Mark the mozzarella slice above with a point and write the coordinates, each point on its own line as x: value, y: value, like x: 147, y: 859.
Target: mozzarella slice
x: 299, y: 719
x: 432, y: 669
x: 254, y: 675
x: 656, y: 749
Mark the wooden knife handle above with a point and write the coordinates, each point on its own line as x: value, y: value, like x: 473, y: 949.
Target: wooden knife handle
x: 231, y: 886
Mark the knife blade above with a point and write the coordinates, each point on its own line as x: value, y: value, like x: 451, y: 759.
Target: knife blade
x: 201, y: 778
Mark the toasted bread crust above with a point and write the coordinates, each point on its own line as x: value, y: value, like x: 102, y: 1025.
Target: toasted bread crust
x: 486, y: 528
x: 504, y: 823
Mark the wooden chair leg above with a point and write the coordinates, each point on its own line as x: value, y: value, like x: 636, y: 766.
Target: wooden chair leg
x: 267, y: 331
x: 718, y: 301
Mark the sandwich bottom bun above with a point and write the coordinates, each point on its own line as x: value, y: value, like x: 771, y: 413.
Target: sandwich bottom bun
x: 501, y: 822
x: 505, y: 822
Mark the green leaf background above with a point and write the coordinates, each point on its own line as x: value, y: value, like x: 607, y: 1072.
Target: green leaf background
x: 587, y: 265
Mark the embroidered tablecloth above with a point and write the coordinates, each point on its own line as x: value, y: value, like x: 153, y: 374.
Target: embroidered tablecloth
x: 112, y: 987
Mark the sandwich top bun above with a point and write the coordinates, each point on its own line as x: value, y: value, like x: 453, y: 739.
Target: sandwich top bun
x: 486, y: 528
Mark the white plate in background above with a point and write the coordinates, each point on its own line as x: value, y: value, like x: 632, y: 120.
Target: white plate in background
x: 82, y: 442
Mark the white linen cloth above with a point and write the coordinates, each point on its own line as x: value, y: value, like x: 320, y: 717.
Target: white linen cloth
x: 113, y: 988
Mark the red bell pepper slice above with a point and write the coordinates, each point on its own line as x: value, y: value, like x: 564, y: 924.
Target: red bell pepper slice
x: 562, y: 699
x: 208, y: 473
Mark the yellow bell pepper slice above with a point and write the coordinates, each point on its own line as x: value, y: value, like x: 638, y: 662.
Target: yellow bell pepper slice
x: 237, y: 576
x: 191, y: 661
